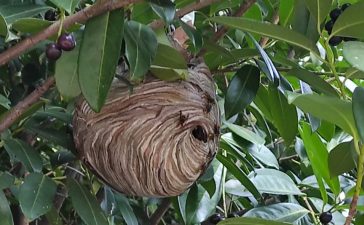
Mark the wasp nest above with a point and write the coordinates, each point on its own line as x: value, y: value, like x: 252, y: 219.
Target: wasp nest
x: 154, y: 141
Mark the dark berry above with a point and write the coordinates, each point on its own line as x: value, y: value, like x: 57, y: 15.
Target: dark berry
x: 329, y: 25
x: 335, y: 13
x: 50, y: 15
x: 214, y: 219
x: 67, y: 42
x: 349, y: 39
x: 345, y: 6
x: 325, y: 217
x: 335, y: 40
x: 53, y: 51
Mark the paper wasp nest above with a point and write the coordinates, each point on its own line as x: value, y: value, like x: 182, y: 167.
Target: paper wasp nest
x: 154, y: 141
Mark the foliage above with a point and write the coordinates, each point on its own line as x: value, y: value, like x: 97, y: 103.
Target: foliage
x: 292, y: 137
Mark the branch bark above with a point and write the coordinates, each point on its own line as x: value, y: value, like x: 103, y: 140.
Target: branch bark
x: 79, y: 17
x: 161, y: 210
x: 23, y: 105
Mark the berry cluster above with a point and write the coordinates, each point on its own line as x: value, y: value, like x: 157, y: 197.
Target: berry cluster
x: 217, y: 217
x: 65, y: 42
x: 334, y: 14
x: 325, y: 218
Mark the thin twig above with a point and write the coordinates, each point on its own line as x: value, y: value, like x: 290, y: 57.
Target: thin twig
x: 161, y: 210
x: 23, y: 105
x: 79, y: 17
x: 275, y: 19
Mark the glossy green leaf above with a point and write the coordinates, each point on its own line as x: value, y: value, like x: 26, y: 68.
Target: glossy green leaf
x: 36, y: 195
x: 242, y: 90
x: 169, y: 74
x: 240, y: 175
x: 126, y: 210
x: 358, y: 110
x: 284, y: 115
x: 30, y: 25
x: 6, y: 180
x: 194, y: 35
x: 4, y: 102
x: 250, y: 221
x: 3, y: 26
x: 263, y: 155
x: 24, y: 153
x: 316, y: 82
x: 281, y: 212
x: 13, y: 12
x: 319, y: 9
x: 165, y: 9
x: 66, y: 74
x: 336, y: 111
x: 318, y: 156
x: 269, y: 30
x: 273, y: 181
x: 286, y: 10
x: 341, y: 159
x: 350, y: 23
x: 246, y: 133
x: 167, y: 56
x: 85, y: 204
x: 100, y: 48
x: 5, y: 212
x: 353, y: 52
x: 141, y: 47
x: 68, y: 5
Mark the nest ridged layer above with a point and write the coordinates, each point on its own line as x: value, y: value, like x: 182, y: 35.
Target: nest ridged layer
x: 154, y: 141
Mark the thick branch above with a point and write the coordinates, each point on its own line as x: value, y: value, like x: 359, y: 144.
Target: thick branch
x: 79, y: 17
x: 22, y: 106
x: 161, y: 210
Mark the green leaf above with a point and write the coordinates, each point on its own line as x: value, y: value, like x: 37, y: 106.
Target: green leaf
x: 242, y: 90
x: 194, y: 197
x: 66, y: 74
x: 85, y: 204
x: 100, y: 48
x: 263, y: 155
x: 250, y: 221
x: 169, y: 74
x: 284, y: 115
x: 5, y: 212
x: 14, y: 12
x: 36, y: 195
x: 246, y: 134
x: 358, y: 110
x: 6, y: 180
x: 30, y: 25
x: 341, y: 159
x: 319, y: 157
x: 316, y: 82
x: 194, y: 35
x: 269, y: 30
x: 141, y: 47
x: 281, y: 212
x: 165, y: 9
x: 168, y: 56
x: 4, y: 102
x: 24, y: 153
x: 240, y: 175
x: 68, y: 5
x: 286, y: 10
x: 319, y: 9
x: 353, y: 52
x: 273, y: 182
x: 336, y: 111
x: 126, y: 210
x: 350, y: 23
x: 3, y: 27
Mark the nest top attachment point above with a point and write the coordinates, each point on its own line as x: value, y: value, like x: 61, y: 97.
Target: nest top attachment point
x: 156, y: 141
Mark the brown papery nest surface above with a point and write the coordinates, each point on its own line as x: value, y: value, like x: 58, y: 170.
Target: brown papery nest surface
x: 154, y: 141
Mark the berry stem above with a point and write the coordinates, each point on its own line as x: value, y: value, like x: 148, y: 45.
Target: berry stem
x: 354, y: 201
x: 61, y: 25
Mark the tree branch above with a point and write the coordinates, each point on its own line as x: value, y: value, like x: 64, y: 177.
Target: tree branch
x: 23, y: 105
x: 161, y: 210
x: 79, y: 17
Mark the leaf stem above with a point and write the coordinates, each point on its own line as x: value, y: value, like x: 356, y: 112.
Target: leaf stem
x: 354, y: 201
